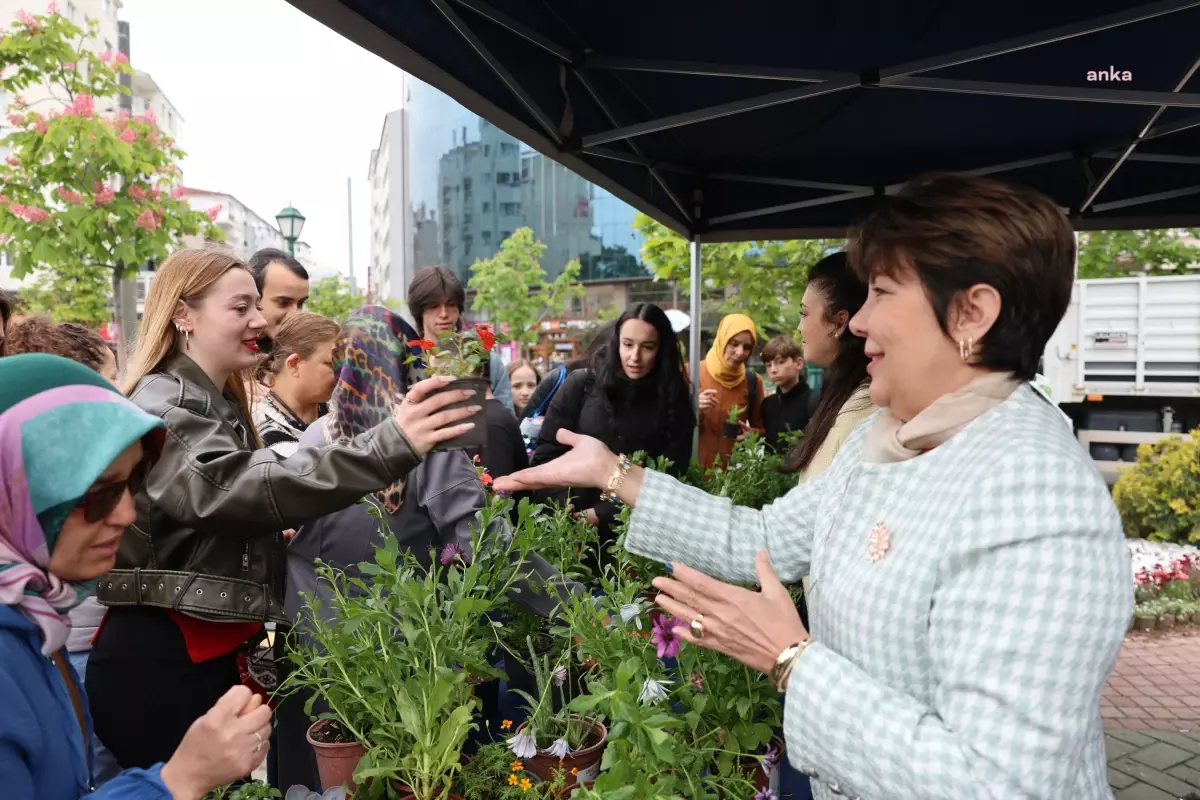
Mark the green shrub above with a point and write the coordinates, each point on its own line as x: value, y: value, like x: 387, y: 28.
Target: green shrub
x: 1159, y: 497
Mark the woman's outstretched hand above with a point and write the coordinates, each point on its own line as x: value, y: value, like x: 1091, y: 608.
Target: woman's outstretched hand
x: 224, y: 745
x: 587, y: 465
x: 422, y: 417
x: 753, y: 627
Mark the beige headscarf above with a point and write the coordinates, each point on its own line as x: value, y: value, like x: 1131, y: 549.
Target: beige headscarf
x: 890, y: 440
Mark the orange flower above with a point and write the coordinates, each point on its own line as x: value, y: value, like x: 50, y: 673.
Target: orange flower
x: 485, y: 479
x: 574, y: 770
x: 505, y: 724
x: 512, y: 780
x: 517, y: 766
x: 526, y: 784
x: 423, y: 344
x: 486, y: 337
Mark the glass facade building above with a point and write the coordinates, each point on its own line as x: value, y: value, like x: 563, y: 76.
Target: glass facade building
x: 458, y: 186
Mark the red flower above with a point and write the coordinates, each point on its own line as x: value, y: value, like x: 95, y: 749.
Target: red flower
x: 423, y: 344
x: 486, y: 337
x: 485, y: 479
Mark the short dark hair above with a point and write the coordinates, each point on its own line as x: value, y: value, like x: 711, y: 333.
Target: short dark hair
x: 955, y: 231
x: 7, y: 302
x: 431, y: 286
x: 264, y: 258
x: 782, y: 346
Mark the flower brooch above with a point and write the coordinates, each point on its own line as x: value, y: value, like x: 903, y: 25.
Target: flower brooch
x: 878, y: 542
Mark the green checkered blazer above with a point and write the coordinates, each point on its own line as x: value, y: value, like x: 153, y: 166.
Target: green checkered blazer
x: 967, y: 662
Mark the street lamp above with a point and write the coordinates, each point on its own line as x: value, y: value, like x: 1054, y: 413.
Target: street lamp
x: 290, y: 222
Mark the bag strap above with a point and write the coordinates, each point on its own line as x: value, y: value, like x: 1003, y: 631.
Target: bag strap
x: 751, y: 394
x: 562, y: 376
x: 61, y: 661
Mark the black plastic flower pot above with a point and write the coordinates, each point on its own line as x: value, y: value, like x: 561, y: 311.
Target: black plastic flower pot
x: 732, y: 430
x: 477, y: 436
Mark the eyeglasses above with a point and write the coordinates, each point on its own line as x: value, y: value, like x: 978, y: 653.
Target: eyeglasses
x: 98, y: 504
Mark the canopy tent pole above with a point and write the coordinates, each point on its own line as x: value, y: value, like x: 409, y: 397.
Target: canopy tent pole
x: 694, y: 337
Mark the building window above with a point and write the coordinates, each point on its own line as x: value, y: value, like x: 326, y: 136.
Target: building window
x: 487, y: 178
x: 502, y: 178
x: 487, y: 207
x: 487, y: 149
x: 487, y: 237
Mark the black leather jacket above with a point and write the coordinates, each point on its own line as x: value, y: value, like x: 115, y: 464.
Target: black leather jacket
x: 207, y: 539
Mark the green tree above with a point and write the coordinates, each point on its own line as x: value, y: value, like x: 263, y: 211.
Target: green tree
x: 765, y: 279
x: 85, y: 198
x: 78, y: 296
x: 1119, y: 254
x: 512, y: 289
x: 332, y: 297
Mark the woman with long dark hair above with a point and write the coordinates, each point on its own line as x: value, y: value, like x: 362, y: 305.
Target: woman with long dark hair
x: 634, y: 398
x: 833, y: 296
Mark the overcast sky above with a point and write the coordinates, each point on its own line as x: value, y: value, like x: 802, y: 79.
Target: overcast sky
x: 277, y: 109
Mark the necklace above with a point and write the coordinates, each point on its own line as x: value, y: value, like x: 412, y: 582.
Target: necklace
x: 293, y: 419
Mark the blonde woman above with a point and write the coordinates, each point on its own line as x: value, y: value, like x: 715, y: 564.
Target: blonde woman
x: 201, y: 569
x: 300, y: 374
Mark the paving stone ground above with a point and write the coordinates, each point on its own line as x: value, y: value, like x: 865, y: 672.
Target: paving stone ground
x: 1151, y: 710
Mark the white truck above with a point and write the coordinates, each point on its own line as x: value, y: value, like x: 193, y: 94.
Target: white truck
x: 1124, y: 364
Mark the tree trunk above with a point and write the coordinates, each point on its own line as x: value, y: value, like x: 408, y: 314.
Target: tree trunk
x: 124, y: 314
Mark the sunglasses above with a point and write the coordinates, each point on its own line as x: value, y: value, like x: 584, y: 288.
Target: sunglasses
x: 98, y: 504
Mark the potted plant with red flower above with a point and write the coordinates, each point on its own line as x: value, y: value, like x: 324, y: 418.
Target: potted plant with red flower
x: 464, y: 356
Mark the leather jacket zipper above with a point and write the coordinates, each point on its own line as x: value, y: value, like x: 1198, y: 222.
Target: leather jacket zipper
x: 246, y: 558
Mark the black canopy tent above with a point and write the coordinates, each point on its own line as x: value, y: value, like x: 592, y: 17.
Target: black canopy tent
x: 765, y: 119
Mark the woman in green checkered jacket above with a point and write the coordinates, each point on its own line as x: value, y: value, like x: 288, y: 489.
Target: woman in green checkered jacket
x: 969, y: 583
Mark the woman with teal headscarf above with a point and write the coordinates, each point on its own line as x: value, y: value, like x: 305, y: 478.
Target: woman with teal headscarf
x: 70, y: 446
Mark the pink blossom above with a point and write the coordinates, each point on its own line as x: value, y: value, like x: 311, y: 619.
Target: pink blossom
x: 146, y: 220
x: 128, y: 136
x: 214, y: 211
x: 121, y: 58
x: 154, y: 193
x: 69, y: 65
x: 41, y: 126
x: 137, y: 193
x: 3, y: 199
x: 150, y: 117
x: 16, y: 120
x: 25, y: 18
x: 104, y: 196
x: 5, y: 238
x: 178, y: 192
x: 17, y: 209
x: 71, y: 197
x: 52, y: 9
x: 13, y: 161
x: 106, y: 56
x: 84, y: 105
x: 20, y: 101
x: 29, y: 213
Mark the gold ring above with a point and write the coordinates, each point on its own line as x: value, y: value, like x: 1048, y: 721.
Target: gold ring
x: 410, y: 398
x: 697, y: 626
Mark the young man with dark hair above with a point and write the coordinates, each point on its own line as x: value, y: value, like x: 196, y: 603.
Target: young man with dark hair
x: 282, y: 283
x: 791, y: 406
x: 437, y: 299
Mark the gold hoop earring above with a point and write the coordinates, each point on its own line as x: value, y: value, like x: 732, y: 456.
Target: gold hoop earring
x: 966, y: 349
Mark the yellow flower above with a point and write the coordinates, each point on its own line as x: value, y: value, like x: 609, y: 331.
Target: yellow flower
x: 526, y: 784
x: 516, y: 766
x: 574, y: 770
x: 512, y: 780
x: 505, y: 724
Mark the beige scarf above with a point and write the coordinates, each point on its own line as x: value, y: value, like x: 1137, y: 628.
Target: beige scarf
x: 890, y: 440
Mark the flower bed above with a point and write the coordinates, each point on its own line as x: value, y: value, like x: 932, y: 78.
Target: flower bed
x: 1166, y: 596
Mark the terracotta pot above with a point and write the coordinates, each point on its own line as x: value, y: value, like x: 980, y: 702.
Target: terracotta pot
x: 1145, y: 623
x: 565, y: 792
x: 477, y: 436
x: 335, y: 762
x: 586, y: 759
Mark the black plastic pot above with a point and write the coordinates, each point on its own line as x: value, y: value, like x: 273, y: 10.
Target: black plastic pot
x: 477, y: 436
x: 732, y: 430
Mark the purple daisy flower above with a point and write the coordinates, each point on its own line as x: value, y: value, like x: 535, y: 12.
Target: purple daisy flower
x: 664, y: 636
x: 766, y: 794
x: 451, y: 553
x: 560, y: 675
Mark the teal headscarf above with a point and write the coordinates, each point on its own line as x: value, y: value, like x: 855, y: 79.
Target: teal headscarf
x: 61, y: 426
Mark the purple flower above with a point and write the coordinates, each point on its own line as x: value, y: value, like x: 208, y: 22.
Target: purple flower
x: 451, y: 553
x: 663, y: 634
x: 560, y: 675
x: 766, y: 794
x: 770, y: 759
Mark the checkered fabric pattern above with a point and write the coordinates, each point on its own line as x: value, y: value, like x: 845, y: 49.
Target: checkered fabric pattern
x: 966, y: 663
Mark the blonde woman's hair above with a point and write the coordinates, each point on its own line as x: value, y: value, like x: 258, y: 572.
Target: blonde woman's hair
x: 299, y: 334
x: 187, y: 276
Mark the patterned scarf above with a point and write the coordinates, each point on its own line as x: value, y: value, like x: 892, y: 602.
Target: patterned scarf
x: 369, y: 359
x: 61, y: 426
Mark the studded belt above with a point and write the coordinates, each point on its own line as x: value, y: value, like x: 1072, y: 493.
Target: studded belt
x: 203, y: 596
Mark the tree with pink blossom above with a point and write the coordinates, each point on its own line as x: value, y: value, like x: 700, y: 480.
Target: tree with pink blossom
x: 86, y: 198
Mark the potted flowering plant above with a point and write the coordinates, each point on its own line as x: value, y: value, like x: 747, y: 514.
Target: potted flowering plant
x: 494, y: 774
x: 551, y: 737
x: 463, y: 356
